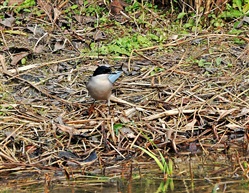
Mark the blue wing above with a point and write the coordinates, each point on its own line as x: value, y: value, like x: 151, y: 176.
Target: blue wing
x: 113, y: 77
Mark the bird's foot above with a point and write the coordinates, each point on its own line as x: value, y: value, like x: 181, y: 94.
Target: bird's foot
x: 91, y: 109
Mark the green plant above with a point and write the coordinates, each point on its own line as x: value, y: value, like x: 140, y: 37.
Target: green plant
x: 134, y: 7
x: 202, y: 62
x: 237, y: 9
x: 156, y: 70
x: 5, y: 110
x: 70, y: 10
x: 164, y: 185
x: 239, y: 41
x: 216, y: 21
x: 218, y: 61
x: 25, y: 6
x: 117, y: 126
x: 166, y: 168
x: 121, y: 46
x: 91, y: 9
x: 4, y: 5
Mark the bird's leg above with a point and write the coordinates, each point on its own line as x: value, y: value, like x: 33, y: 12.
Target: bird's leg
x: 91, y: 108
x: 109, y: 103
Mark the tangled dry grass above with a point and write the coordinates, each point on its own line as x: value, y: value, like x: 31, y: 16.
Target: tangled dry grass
x: 166, y: 100
x: 181, y: 108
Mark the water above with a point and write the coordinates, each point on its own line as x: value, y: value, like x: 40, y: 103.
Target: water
x: 194, y: 175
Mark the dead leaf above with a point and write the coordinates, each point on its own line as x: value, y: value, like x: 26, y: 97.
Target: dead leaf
x: 99, y: 35
x: 85, y: 19
x: 10, y: 134
x: 244, y: 111
x: 2, y: 62
x: 124, y: 119
x: 246, y: 19
x: 116, y: 6
x: 38, y: 49
x: 17, y: 57
x: 67, y: 155
x: 8, y: 21
x: 57, y: 13
x: 79, y: 18
x: 233, y: 126
x: 190, y: 126
x: 46, y: 7
x: 130, y: 112
x: 170, y: 134
x: 16, y: 2
x: 173, y: 37
x: 224, y: 113
x: 70, y: 130
x: 192, y: 147
x: 36, y: 30
x: 126, y: 131
x: 59, y: 45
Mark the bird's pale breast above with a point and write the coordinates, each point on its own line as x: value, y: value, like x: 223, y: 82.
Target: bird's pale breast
x: 99, y: 87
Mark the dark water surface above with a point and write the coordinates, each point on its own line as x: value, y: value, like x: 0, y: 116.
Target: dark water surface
x: 147, y: 185
x: 198, y: 174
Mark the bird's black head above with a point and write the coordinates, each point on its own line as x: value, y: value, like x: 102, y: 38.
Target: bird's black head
x: 102, y: 70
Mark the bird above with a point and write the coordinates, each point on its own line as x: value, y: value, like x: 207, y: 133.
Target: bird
x: 100, y: 84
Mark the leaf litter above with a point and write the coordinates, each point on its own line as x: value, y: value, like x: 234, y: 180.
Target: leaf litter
x: 177, y: 94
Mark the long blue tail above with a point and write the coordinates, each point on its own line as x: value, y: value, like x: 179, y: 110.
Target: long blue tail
x: 114, y: 76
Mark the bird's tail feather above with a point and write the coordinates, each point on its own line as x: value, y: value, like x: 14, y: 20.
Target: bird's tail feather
x: 114, y: 76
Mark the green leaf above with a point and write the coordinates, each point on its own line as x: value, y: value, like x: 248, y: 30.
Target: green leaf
x: 160, y: 165
x: 236, y: 13
x: 152, y: 73
x: 116, y: 127
x: 188, y: 25
x: 27, y: 10
x: 170, y: 165
x: 171, y: 184
x: 218, y: 61
x: 246, y: 8
x: 74, y: 6
x: 238, y: 4
x: 238, y: 41
x: 235, y: 31
x: 231, y: 14
x: 26, y: 4
x: 23, y: 61
x: 154, y: 37
x: 181, y: 15
x: 245, y: 165
x: 165, y: 166
x: 201, y: 62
